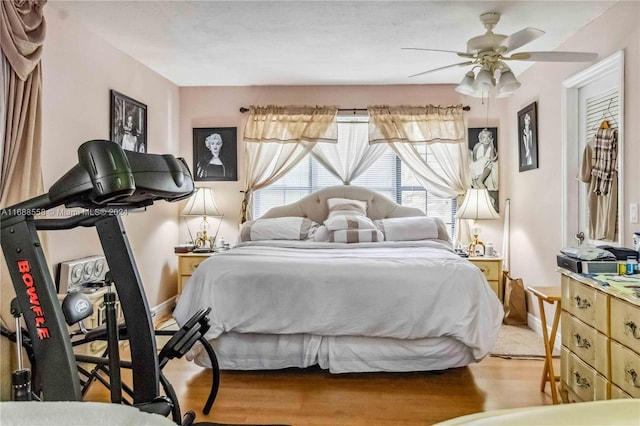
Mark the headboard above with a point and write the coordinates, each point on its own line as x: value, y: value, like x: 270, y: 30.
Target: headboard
x: 314, y: 206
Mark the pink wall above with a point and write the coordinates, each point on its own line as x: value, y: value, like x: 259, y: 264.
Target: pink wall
x: 218, y: 107
x: 536, y: 195
x: 79, y: 69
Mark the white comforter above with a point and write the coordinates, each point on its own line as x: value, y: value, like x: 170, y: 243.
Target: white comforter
x: 404, y: 290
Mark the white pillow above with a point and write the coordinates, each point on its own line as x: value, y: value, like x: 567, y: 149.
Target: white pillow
x: 345, y: 206
x: 278, y: 228
x: 321, y: 235
x: 355, y: 236
x: 351, y: 221
x: 408, y: 228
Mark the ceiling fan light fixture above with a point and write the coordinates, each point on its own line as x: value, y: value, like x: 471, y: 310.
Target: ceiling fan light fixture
x: 507, y: 84
x: 466, y: 85
x: 484, y: 80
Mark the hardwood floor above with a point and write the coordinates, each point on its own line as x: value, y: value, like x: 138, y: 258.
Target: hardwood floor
x: 316, y: 397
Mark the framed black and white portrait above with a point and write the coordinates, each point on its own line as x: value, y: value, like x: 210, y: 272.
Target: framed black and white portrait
x: 128, y: 122
x: 483, y: 161
x: 528, y: 137
x: 215, y: 154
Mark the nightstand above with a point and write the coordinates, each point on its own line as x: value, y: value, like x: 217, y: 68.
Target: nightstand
x: 187, y: 263
x: 491, y: 267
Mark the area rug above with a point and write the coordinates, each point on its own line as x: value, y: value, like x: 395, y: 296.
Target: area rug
x: 518, y: 342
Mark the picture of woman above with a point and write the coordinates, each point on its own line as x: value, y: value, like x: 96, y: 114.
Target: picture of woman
x: 128, y: 122
x: 483, y: 160
x: 214, y: 154
x: 528, y: 137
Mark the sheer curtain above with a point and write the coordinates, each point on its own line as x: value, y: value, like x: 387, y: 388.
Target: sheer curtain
x: 406, y: 129
x: 352, y: 155
x: 277, y: 138
x: 22, y: 32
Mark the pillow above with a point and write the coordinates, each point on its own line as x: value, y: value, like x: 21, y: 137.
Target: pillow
x: 355, y: 236
x: 350, y: 221
x: 321, y: 235
x: 345, y: 206
x: 412, y: 228
x: 278, y: 228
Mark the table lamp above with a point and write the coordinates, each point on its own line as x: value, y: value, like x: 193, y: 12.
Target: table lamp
x: 202, y: 203
x: 477, y: 205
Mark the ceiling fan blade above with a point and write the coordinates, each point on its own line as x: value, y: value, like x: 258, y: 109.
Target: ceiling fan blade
x: 461, y: 64
x: 461, y: 54
x: 520, y: 38
x: 554, y: 56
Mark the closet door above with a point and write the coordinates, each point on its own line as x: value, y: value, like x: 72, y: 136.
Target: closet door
x: 599, y: 106
x: 589, y: 98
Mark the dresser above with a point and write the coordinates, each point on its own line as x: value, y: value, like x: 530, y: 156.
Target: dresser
x: 600, y: 354
x: 187, y: 263
x: 491, y: 267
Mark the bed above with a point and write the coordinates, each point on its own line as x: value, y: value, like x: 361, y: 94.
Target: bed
x: 312, y: 283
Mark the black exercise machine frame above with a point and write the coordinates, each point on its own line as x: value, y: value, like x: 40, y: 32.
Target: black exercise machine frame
x: 103, y: 178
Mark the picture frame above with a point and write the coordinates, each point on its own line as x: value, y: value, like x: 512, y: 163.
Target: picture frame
x: 215, y: 158
x: 128, y: 122
x: 528, y: 137
x: 483, y: 161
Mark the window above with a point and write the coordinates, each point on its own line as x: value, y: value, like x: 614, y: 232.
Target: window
x: 387, y: 176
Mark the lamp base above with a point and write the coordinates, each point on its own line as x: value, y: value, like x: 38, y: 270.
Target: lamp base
x: 472, y: 250
x: 204, y: 243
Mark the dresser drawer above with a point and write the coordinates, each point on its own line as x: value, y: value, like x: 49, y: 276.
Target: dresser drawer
x: 491, y: 269
x: 625, y: 369
x: 586, y: 342
x: 188, y: 264
x: 581, y: 301
x: 617, y: 393
x: 583, y: 380
x: 625, y: 324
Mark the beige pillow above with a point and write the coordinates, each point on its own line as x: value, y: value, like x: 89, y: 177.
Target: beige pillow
x: 345, y: 206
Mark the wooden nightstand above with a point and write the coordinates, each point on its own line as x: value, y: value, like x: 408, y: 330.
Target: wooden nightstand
x: 187, y: 263
x: 491, y: 267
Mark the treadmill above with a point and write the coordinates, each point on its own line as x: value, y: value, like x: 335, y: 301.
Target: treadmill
x: 106, y: 181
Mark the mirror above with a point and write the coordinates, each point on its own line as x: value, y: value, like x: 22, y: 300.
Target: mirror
x: 592, y: 104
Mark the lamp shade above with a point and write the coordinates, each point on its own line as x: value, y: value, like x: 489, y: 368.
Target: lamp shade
x: 477, y: 205
x: 466, y: 85
x: 507, y: 84
x: 202, y: 203
x: 484, y: 80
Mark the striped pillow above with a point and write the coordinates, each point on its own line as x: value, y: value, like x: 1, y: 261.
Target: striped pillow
x: 355, y: 236
x: 350, y: 221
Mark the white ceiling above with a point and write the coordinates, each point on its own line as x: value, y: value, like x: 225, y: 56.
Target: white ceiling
x: 241, y: 43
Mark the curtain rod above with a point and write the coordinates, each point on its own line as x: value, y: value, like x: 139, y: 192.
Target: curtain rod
x: 243, y: 109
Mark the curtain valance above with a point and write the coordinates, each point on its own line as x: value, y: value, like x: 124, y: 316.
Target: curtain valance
x: 22, y: 32
x: 416, y: 124
x: 291, y: 124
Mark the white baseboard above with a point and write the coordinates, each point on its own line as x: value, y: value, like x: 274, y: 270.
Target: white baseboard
x: 535, y: 324
x: 163, y: 309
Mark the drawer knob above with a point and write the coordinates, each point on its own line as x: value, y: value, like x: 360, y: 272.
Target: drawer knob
x: 194, y: 266
x: 581, y: 303
x: 631, y: 373
x: 633, y: 328
x: 581, y: 382
x: 582, y: 342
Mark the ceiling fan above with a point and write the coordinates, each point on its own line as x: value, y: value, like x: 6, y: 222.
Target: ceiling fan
x: 489, y: 53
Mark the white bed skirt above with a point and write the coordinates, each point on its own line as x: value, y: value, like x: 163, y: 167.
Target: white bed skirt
x: 338, y: 354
